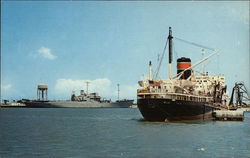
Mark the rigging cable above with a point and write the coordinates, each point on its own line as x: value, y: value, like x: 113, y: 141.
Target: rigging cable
x: 159, y: 66
x: 195, y: 44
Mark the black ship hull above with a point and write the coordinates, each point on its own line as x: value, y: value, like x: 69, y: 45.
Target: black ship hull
x: 177, y: 110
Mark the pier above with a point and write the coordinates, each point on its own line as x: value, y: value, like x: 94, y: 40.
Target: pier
x: 13, y: 105
x: 229, y: 115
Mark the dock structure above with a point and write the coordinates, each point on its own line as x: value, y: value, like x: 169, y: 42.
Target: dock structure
x: 229, y: 115
x: 13, y: 105
x: 239, y: 103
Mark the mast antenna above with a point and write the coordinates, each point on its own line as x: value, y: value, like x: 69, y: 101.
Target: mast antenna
x: 87, y: 86
x: 203, y: 67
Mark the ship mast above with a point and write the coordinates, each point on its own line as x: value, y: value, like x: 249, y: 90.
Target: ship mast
x: 87, y: 86
x: 150, y: 71
x: 118, y: 91
x: 170, y: 51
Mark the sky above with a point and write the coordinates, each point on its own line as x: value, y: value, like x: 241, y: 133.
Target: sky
x: 67, y: 43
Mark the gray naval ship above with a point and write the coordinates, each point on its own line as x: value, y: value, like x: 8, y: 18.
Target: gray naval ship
x: 84, y: 100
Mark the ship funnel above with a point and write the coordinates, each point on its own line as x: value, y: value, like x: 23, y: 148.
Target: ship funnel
x: 182, y: 64
x: 81, y: 92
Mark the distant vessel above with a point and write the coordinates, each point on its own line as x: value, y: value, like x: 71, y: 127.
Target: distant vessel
x: 186, y: 96
x: 84, y: 100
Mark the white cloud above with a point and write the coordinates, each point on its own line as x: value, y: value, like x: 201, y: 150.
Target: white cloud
x: 238, y: 43
x: 46, y: 53
x: 6, y: 91
x: 102, y: 86
x: 128, y: 91
x: 66, y: 86
x: 6, y: 87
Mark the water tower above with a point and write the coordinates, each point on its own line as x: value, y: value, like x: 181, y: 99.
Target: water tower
x: 42, y: 92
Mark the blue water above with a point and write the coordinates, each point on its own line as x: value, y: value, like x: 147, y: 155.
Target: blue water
x: 111, y: 133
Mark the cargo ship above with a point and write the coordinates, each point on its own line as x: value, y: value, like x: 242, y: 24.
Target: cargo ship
x: 185, y: 96
x: 84, y: 100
